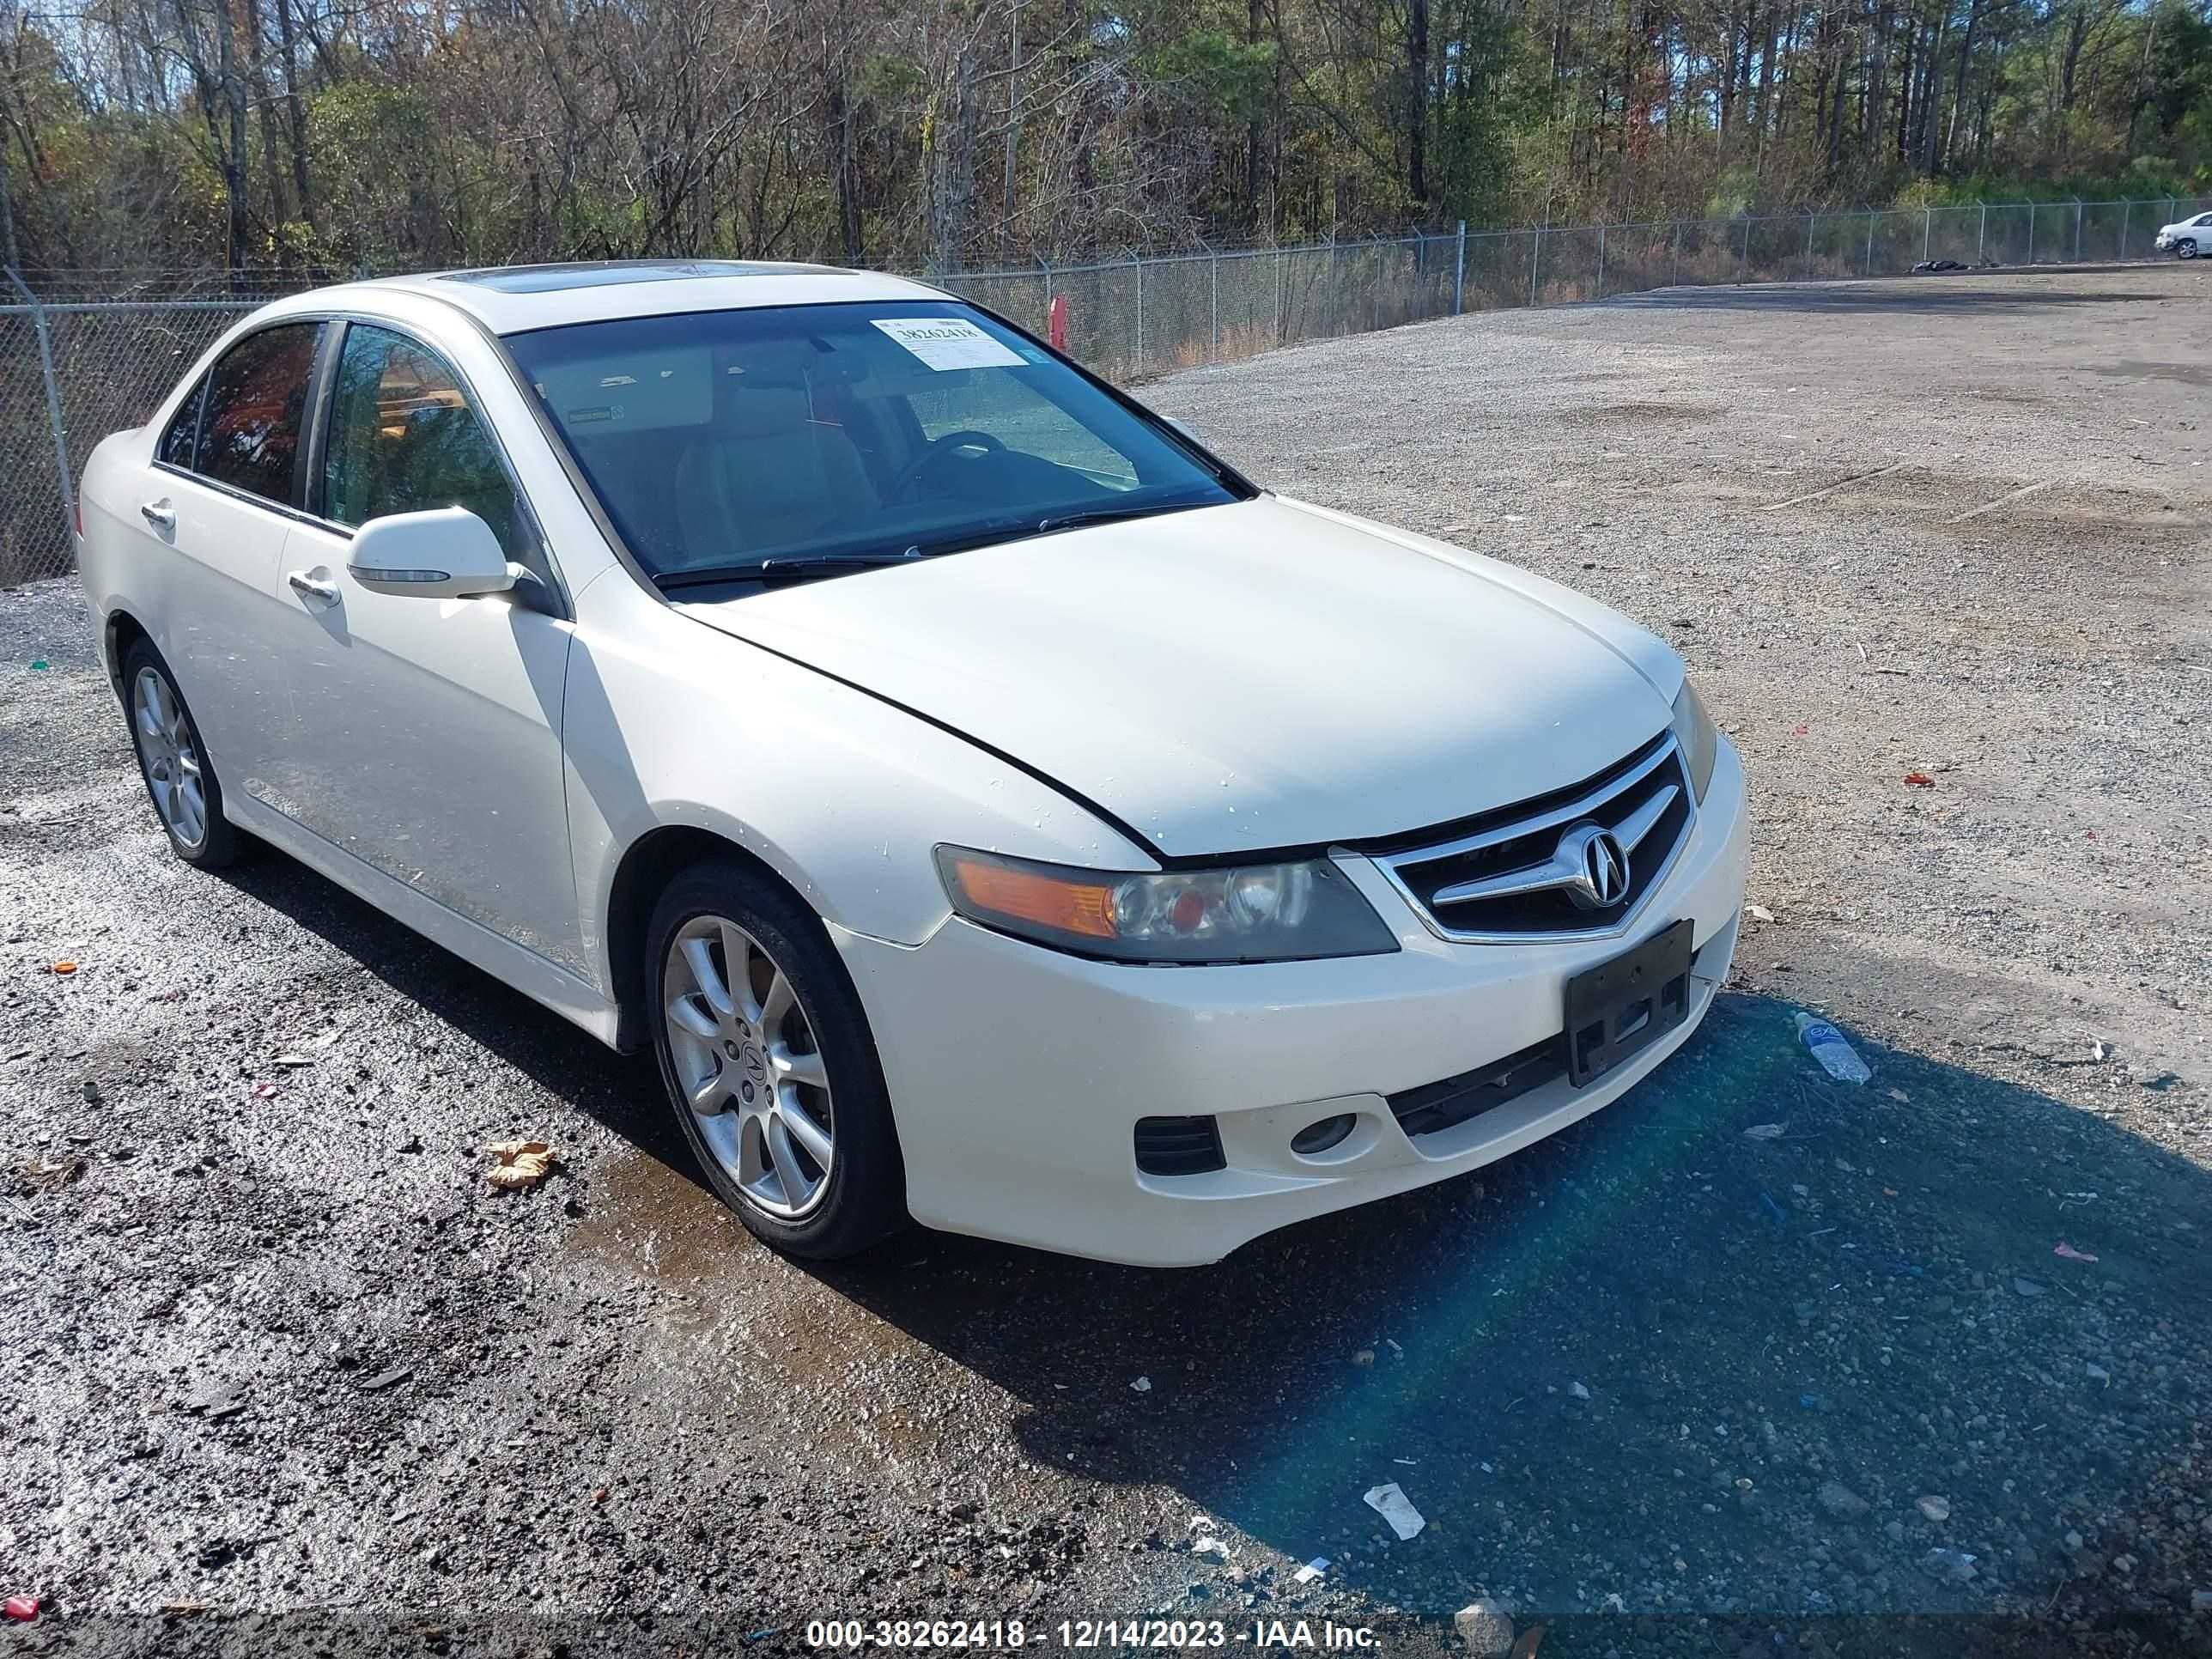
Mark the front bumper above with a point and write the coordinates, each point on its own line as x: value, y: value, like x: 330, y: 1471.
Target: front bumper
x: 1017, y: 1074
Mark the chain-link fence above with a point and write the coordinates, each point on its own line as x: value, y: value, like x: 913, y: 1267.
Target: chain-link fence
x: 73, y: 368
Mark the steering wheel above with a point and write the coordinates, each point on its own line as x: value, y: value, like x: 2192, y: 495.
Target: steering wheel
x: 935, y: 450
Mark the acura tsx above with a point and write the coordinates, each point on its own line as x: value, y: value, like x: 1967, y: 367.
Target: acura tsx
x: 992, y: 809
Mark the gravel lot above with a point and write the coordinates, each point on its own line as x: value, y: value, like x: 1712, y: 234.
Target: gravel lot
x: 278, y: 1359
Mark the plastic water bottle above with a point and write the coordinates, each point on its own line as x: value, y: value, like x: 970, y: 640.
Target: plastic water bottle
x: 1836, y: 1057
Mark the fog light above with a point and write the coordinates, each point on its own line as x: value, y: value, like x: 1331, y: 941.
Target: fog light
x: 1320, y: 1137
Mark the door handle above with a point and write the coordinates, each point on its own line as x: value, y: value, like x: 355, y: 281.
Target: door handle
x: 159, y: 513
x: 308, y: 589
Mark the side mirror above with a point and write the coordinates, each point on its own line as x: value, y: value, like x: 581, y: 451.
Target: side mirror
x: 1183, y: 426
x: 447, y: 553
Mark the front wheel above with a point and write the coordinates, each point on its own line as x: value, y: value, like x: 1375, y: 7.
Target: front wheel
x: 2186, y: 248
x: 765, y: 1053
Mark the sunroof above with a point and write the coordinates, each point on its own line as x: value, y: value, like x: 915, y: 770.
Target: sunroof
x: 551, y: 279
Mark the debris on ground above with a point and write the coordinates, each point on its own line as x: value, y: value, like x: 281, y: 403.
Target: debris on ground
x: 292, y: 1062
x: 1920, y: 780
x: 1142, y: 1385
x: 1364, y: 1357
x: 1936, y: 1508
x: 1766, y: 1131
x: 1393, y: 1506
x: 1210, y: 1546
x: 2027, y: 1286
x: 1827, y: 1045
x: 1311, y: 1570
x: 384, y: 1380
x: 1199, y: 1523
x: 522, y: 1164
x: 64, y: 967
x: 2066, y: 1252
x: 1579, y: 1391
x: 1531, y: 1639
x: 1486, y: 1628
x: 1948, y: 1566
x: 177, y: 1609
x: 1759, y: 912
x: 21, y: 1609
x: 265, y: 1092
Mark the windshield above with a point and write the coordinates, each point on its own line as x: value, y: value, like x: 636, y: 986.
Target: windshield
x: 798, y: 439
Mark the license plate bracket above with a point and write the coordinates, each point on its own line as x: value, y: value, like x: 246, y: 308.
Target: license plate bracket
x: 1620, y: 1006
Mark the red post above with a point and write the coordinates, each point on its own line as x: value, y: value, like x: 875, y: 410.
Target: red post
x: 1056, y: 322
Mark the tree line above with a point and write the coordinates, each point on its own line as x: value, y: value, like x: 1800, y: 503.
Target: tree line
x: 304, y: 136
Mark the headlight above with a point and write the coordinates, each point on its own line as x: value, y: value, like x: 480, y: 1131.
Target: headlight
x: 1251, y: 912
x: 1694, y: 731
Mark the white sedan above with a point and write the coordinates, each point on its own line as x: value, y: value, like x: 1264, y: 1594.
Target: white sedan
x: 2186, y: 238
x: 994, y: 810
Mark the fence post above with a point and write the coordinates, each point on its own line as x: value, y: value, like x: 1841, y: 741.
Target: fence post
x: 1868, y: 269
x: 2077, y: 230
x: 1811, y: 220
x: 2031, y: 233
x: 1600, y: 259
x: 2127, y: 218
x: 1215, y: 261
x: 1278, y: 296
x: 53, y: 400
x: 1535, y: 264
x: 1677, y: 255
x: 1459, y: 271
x: 1743, y: 253
x: 1139, y: 263
x: 1927, y: 229
x: 1982, y: 233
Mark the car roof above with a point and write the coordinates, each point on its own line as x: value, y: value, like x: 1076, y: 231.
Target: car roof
x: 515, y: 299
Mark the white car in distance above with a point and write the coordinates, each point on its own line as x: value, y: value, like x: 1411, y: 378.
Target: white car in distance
x: 2186, y: 238
x: 993, y: 810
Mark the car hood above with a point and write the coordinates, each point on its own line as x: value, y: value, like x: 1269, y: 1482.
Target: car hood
x: 1260, y: 674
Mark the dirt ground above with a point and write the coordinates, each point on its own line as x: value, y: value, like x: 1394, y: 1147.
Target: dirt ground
x: 280, y: 1363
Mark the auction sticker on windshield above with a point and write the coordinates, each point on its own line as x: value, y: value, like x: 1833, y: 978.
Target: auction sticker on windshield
x: 948, y: 342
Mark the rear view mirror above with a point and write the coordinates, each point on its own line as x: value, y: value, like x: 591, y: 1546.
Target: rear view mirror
x: 447, y: 553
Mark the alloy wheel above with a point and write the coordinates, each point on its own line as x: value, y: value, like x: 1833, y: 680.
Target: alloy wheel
x: 170, y: 754
x: 749, y: 1065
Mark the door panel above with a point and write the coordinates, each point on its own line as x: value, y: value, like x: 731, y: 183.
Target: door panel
x: 426, y: 743
x: 224, y: 622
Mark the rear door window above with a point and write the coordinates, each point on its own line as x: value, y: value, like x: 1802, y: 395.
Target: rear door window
x: 256, y: 408
x: 184, y: 432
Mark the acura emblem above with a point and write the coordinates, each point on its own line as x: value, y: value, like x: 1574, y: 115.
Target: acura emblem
x: 1600, y: 867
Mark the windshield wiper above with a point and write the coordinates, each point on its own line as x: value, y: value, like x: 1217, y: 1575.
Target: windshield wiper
x: 797, y: 565
x: 1110, y: 515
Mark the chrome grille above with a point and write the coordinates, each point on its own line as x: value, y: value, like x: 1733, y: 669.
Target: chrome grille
x: 1502, y: 877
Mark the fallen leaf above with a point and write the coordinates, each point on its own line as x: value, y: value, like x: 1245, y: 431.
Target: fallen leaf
x: 1766, y: 1131
x: 65, y: 967
x: 2067, y: 1252
x: 522, y: 1164
x: 1525, y: 1645
x: 263, y: 1090
x: 1920, y: 780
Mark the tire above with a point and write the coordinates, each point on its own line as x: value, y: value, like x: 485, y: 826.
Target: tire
x: 2186, y: 248
x: 186, y: 795
x: 795, y: 1131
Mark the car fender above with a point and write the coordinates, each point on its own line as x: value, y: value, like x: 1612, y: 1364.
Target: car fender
x: 671, y: 723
